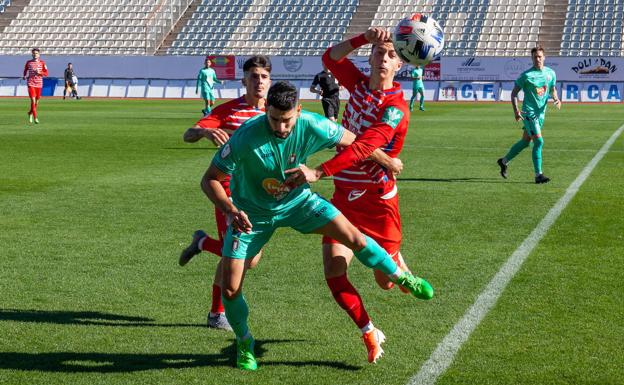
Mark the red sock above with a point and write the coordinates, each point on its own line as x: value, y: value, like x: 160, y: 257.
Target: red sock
x: 33, y: 109
x: 212, y: 245
x: 217, y: 304
x: 348, y: 298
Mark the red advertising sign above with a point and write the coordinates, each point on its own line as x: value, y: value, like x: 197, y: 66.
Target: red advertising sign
x: 224, y: 66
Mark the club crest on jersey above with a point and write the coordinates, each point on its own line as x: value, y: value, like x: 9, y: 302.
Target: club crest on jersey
x: 392, y: 116
x: 275, y: 188
x: 333, y: 130
x: 226, y: 151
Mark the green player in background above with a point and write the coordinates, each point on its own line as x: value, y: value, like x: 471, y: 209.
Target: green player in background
x: 418, y: 88
x: 265, y: 158
x: 537, y: 83
x: 206, y: 79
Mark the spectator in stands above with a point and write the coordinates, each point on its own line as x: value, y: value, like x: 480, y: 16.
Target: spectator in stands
x: 34, y: 72
x: 71, y: 82
x: 537, y: 83
x: 329, y: 91
x: 418, y: 88
x: 206, y: 80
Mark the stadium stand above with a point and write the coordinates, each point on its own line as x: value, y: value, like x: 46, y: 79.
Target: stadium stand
x: 304, y: 27
x: 115, y: 27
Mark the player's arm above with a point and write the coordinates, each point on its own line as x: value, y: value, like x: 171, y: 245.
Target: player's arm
x: 555, y: 96
x: 44, y: 73
x: 395, y: 165
x: 199, y: 81
x: 514, y: 103
x: 25, y: 71
x: 211, y: 186
x: 313, y: 88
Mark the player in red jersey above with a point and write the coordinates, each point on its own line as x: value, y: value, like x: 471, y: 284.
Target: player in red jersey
x: 34, y: 72
x: 217, y: 127
x: 365, y: 192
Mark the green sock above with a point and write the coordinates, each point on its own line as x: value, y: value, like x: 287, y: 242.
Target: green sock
x: 373, y: 256
x: 422, y: 102
x: 236, y: 312
x: 537, y: 155
x: 411, y: 106
x: 516, y: 148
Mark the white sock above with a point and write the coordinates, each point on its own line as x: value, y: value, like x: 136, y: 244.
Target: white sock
x: 394, y: 276
x: 368, y: 327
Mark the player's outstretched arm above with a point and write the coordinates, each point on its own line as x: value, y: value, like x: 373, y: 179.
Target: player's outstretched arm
x: 211, y: 185
x: 216, y: 135
x: 395, y: 165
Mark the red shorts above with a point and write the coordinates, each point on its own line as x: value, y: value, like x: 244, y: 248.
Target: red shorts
x: 34, y: 92
x: 374, y: 214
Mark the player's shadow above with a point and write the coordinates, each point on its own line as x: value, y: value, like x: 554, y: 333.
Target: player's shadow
x: 69, y: 362
x: 192, y: 148
x: 459, y: 180
x: 95, y: 318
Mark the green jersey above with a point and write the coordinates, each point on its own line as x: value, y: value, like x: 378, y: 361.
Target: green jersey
x: 536, y: 85
x: 206, y: 78
x: 256, y: 160
x: 417, y: 74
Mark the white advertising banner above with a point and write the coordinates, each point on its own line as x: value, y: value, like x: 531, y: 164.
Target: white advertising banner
x: 571, y: 92
x: 612, y: 92
x: 447, y: 91
x: 591, y: 68
x: 287, y: 67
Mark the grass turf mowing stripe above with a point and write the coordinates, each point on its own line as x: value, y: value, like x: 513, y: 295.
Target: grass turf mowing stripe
x: 445, y: 352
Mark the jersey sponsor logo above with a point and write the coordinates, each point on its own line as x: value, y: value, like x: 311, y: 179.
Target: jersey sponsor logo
x: 540, y: 90
x: 235, y: 244
x: 275, y: 188
x: 355, y: 194
x: 226, y: 151
x: 392, y: 116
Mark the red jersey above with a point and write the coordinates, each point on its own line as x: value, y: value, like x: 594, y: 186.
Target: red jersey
x: 379, y: 119
x: 229, y: 116
x: 35, y: 71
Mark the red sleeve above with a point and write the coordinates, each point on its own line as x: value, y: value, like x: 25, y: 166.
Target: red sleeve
x: 26, y: 68
x: 217, y: 117
x: 44, y: 73
x: 377, y: 135
x: 347, y: 74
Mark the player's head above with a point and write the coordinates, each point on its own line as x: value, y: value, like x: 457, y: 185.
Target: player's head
x: 69, y: 65
x: 207, y: 61
x: 283, y: 108
x: 257, y: 75
x: 384, y: 61
x: 35, y: 53
x: 537, y: 55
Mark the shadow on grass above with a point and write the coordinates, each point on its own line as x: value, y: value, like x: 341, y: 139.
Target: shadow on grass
x: 95, y: 318
x: 191, y: 148
x: 68, y: 362
x: 461, y: 180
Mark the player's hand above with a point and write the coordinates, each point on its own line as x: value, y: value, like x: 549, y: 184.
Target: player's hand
x: 217, y: 135
x: 396, y: 166
x: 558, y: 104
x: 300, y: 175
x: 193, y: 134
x: 240, y: 221
x: 320, y: 92
x: 518, y: 115
x: 378, y: 35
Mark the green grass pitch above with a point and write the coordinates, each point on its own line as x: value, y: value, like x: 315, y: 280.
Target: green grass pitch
x: 97, y: 201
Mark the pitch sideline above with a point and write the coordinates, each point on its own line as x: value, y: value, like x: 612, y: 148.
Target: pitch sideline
x: 445, y: 352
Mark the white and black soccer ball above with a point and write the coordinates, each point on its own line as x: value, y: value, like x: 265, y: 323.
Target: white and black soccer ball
x: 418, y: 39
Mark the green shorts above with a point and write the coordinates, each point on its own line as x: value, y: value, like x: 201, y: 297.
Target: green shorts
x: 417, y: 90
x: 533, y: 124
x: 312, y: 213
x: 207, y: 94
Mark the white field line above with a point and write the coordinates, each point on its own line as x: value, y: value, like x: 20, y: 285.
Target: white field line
x: 445, y: 352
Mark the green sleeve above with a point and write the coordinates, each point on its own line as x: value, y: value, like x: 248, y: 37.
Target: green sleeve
x: 323, y: 133
x: 520, y: 81
x: 199, y: 79
x: 228, y: 156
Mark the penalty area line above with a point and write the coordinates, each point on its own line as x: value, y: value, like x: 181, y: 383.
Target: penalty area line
x: 445, y: 352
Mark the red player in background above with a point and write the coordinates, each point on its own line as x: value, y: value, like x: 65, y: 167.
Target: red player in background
x: 34, y: 72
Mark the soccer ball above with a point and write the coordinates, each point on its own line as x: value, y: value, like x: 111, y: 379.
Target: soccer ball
x: 418, y: 39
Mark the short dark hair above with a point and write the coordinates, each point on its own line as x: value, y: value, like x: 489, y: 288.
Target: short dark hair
x: 283, y: 96
x: 537, y: 48
x: 35, y: 49
x: 257, y: 61
x: 68, y: 64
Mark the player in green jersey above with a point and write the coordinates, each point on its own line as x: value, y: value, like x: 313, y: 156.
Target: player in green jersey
x: 206, y: 79
x: 259, y: 157
x: 418, y: 88
x: 538, y: 83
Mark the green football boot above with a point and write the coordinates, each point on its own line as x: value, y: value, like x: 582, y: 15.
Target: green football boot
x: 417, y: 286
x: 245, y: 357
